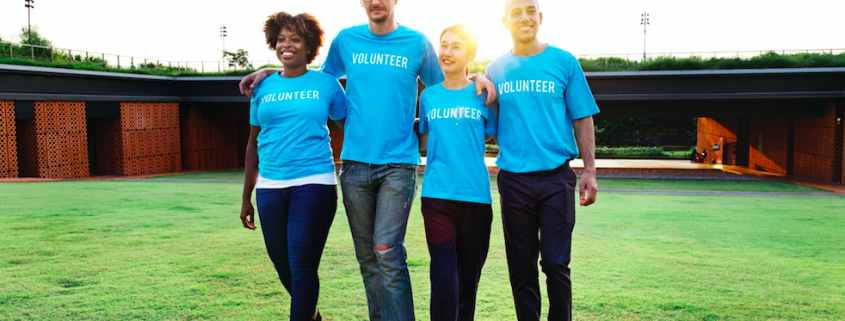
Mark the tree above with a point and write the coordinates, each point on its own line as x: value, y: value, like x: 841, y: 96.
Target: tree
x: 238, y: 58
x: 32, y: 37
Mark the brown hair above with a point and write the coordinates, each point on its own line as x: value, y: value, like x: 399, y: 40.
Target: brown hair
x: 303, y: 24
x: 465, y: 33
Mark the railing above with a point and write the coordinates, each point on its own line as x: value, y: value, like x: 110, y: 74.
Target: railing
x: 709, y: 54
x: 54, y: 54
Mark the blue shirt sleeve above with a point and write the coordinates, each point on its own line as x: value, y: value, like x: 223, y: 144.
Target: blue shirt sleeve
x: 430, y: 72
x: 337, y: 110
x: 423, y: 128
x: 253, y: 111
x: 579, y: 99
x: 334, y: 62
x: 491, y: 128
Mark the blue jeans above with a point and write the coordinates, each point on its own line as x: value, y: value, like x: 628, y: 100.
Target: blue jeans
x: 378, y: 201
x: 295, y: 222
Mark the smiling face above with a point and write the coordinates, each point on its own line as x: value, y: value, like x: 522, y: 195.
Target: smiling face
x: 454, y: 55
x: 379, y: 10
x: 291, y: 49
x: 523, y: 19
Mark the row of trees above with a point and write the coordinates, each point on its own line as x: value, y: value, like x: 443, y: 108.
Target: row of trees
x: 29, y: 37
x: 35, y: 46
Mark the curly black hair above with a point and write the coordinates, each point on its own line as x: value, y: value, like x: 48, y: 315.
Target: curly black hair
x: 303, y: 24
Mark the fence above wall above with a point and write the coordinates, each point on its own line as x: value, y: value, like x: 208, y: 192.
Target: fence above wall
x: 55, y: 54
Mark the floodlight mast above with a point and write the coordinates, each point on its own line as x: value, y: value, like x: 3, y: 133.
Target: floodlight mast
x: 29, y: 6
x: 223, y: 34
x: 644, y: 22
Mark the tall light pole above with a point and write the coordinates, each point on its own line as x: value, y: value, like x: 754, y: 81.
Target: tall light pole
x: 29, y: 6
x: 223, y: 34
x: 644, y: 22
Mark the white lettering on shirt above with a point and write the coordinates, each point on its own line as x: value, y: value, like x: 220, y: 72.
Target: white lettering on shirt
x: 379, y: 59
x: 539, y: 86
x: 296, y: 95
x: 453, y: 113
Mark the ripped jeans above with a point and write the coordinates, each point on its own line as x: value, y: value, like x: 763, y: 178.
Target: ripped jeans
x: 378, y: 201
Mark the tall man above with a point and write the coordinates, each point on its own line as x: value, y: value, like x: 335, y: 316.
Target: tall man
x: 545, y: 118
x: 382, y: 61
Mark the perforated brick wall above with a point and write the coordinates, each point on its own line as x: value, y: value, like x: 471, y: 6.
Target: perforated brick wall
x: 774, y: 144
x: 336, y: 136
x: 243, y: 139
x: 55, y: 143
x: 144, y: 140
x: 716, y: 131
x: 8, y: 140
x: 814, y: 146
x: 208, y: 143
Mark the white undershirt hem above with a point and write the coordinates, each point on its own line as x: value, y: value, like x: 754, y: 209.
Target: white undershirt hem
x: 319, y: 179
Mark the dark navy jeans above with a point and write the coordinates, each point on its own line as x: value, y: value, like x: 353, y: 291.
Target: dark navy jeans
x: 539, y: 203
x: 295, y: 222
x: 378, y: 200
x: 458, y: 237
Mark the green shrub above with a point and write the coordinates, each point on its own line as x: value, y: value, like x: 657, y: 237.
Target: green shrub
x: 640, y: 152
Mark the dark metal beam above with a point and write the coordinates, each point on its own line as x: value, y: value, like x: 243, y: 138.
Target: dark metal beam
x: 743, y: 141
x: 102, y: 109
x: 24, y: 109
x: 714, y: 108
x: 713, y: 93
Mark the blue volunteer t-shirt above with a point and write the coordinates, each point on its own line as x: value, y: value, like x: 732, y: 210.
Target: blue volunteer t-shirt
x: 539, y: 96
x: 292, y: 113
x: 457, y: 122
x: 381, y: 85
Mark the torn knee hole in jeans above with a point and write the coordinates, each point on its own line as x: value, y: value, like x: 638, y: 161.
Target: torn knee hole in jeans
x: 383, y: 249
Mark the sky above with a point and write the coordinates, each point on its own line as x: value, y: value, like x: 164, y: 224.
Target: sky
x: 189, y: 30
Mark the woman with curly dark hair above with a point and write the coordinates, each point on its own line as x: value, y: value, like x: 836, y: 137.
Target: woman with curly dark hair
x: 289, y: 159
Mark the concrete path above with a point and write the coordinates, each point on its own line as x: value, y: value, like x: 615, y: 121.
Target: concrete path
x: 628, y: 163
x: 613, y: 191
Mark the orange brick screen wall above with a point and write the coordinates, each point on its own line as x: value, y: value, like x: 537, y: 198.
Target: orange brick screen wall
x: 337, y: 144
x: 208, y: 143
x: 8, y: 140
x: 715, y: 131
x: 774, y: 152
x: 55, y: 143
x: 145, y: 139
x: 814, y: 141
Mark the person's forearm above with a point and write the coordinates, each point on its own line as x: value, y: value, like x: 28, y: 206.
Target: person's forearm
x: 586, y: 138
x: 340, y: 123
x: 251, y: 169
x: 423, y: 142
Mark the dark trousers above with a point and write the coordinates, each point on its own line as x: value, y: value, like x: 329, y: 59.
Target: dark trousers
x: 458, y: 237
x: 295, y: 222
x: 541, y: 202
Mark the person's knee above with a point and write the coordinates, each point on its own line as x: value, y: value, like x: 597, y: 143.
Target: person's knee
x: 555, y: 267
x: 383, y: 248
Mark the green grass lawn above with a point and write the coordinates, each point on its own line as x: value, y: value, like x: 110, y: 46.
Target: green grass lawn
x: 604, y: 183
x: 703, y: 185
x: 237, y: 176
x: 109, y: 250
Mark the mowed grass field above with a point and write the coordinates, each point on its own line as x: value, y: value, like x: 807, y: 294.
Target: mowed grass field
x: 127, y: 250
